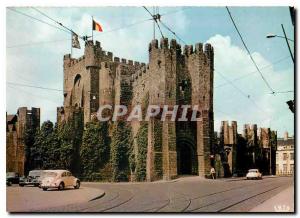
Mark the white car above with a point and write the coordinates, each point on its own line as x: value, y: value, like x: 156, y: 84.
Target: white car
x: 254, y: 174
x: 59, y: 179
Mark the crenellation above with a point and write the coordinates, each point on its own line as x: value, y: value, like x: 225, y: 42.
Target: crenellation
x: 173, y: 44
x: 110, y: 56
x: 199, y: 48
x: 188, y: 50
x: 168, y: 70
x: 67, y: 56
x: 98, y: 44
x: 208, y: 50
x: 164, y: 43
x: 153, y: 45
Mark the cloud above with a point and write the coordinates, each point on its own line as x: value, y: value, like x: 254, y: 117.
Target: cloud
x: 260, y: 107
x: 42, y: 64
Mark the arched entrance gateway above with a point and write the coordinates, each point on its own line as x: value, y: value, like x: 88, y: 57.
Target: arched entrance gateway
x: 187, y: 163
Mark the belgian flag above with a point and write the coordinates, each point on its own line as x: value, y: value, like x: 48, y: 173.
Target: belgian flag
x: 97, y: 26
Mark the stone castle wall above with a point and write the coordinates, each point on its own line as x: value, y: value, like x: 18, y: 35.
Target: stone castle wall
x: 172, y: 77
x: 16, y: 126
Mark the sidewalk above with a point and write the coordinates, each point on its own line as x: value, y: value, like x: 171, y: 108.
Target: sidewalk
x: 282, y: 202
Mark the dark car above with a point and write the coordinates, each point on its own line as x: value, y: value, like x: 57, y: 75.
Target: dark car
x: 31, y: 179
x: 8, y: 183
x: 12, y: 178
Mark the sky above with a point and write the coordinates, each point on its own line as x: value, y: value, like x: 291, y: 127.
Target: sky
x: 34, y: 55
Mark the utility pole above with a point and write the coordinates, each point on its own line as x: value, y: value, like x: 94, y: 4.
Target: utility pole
x: 286, y: 39
x: 153, y: 23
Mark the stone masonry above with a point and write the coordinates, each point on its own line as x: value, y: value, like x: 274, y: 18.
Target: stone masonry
x: 172, y: 77
x: 16, y: 125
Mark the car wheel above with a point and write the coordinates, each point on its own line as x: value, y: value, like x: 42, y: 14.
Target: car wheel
x: 61, y: 186
x: 21, y: 185
x: 36, y: 185
x: 77, y: 185
x: 44, y: 189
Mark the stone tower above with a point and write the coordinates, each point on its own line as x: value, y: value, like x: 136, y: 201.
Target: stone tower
x: 172, y: 77
x: 229, y: 139
x: 16, y: 126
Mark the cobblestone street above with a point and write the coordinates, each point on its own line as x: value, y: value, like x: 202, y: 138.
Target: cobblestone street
x: 186, y: 194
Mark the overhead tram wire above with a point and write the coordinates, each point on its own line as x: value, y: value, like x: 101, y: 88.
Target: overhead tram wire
x: 155, y: 19
x: 37, y: 43
x: 59, y: 23
x: 32, y: 86
x: 242, y: 92
x: 173, y: 12
x: 257, y: 68
x: 36, y: 19
x: 168, y: 28
x: 126, y: 26
x: 41, y: 87
x: 283, y: 92
x: 251, y: 73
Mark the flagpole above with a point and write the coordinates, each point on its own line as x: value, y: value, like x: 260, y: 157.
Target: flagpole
x: 71, y: 43
x: 92, y: 29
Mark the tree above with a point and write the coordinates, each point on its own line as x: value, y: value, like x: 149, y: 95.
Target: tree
x: 70, y: 137
x: 42, y: 145
x: 142, y: 143
x: 94, y: 152
x: 121, y: 142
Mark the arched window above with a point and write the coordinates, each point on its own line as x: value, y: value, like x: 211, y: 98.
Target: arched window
x: 77, y: 79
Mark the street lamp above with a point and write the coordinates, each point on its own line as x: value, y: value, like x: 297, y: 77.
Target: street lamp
x: 270, y: 35
x: 286, y: 39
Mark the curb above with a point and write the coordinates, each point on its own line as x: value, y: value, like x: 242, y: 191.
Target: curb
x: 98, y: 197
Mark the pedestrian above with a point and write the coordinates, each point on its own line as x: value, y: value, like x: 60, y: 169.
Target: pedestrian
x: 213, y: 173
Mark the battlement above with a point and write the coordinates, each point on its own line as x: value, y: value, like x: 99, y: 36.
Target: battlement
x: 164, y: 44
x: 206, y: 49
x: 70, y: 62
x: 250, y: 127
x: 226, y: 123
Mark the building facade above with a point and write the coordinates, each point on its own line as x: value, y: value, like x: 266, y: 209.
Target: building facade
x: 255, y: 148
x: 172, y: 77
x: 285, y: 155
x: 16, y: 125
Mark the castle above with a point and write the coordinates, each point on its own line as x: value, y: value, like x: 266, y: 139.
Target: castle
x: 172, y: 77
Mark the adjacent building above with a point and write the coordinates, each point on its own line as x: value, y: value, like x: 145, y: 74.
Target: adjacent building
x: 16, y: 126
x: 285, y: 155
x: 237, y: 153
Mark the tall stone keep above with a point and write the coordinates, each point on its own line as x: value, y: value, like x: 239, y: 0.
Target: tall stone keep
x: 172, y: 77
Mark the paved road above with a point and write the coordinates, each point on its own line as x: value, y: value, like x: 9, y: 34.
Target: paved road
x: 190, y: 194
x: 29, y: 198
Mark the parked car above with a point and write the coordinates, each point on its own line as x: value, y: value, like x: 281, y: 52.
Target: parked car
x: 12, y: 177
x: 59, y: 179
x: 8, y: 183
x: 254, y: 174
x: 31, y: 179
